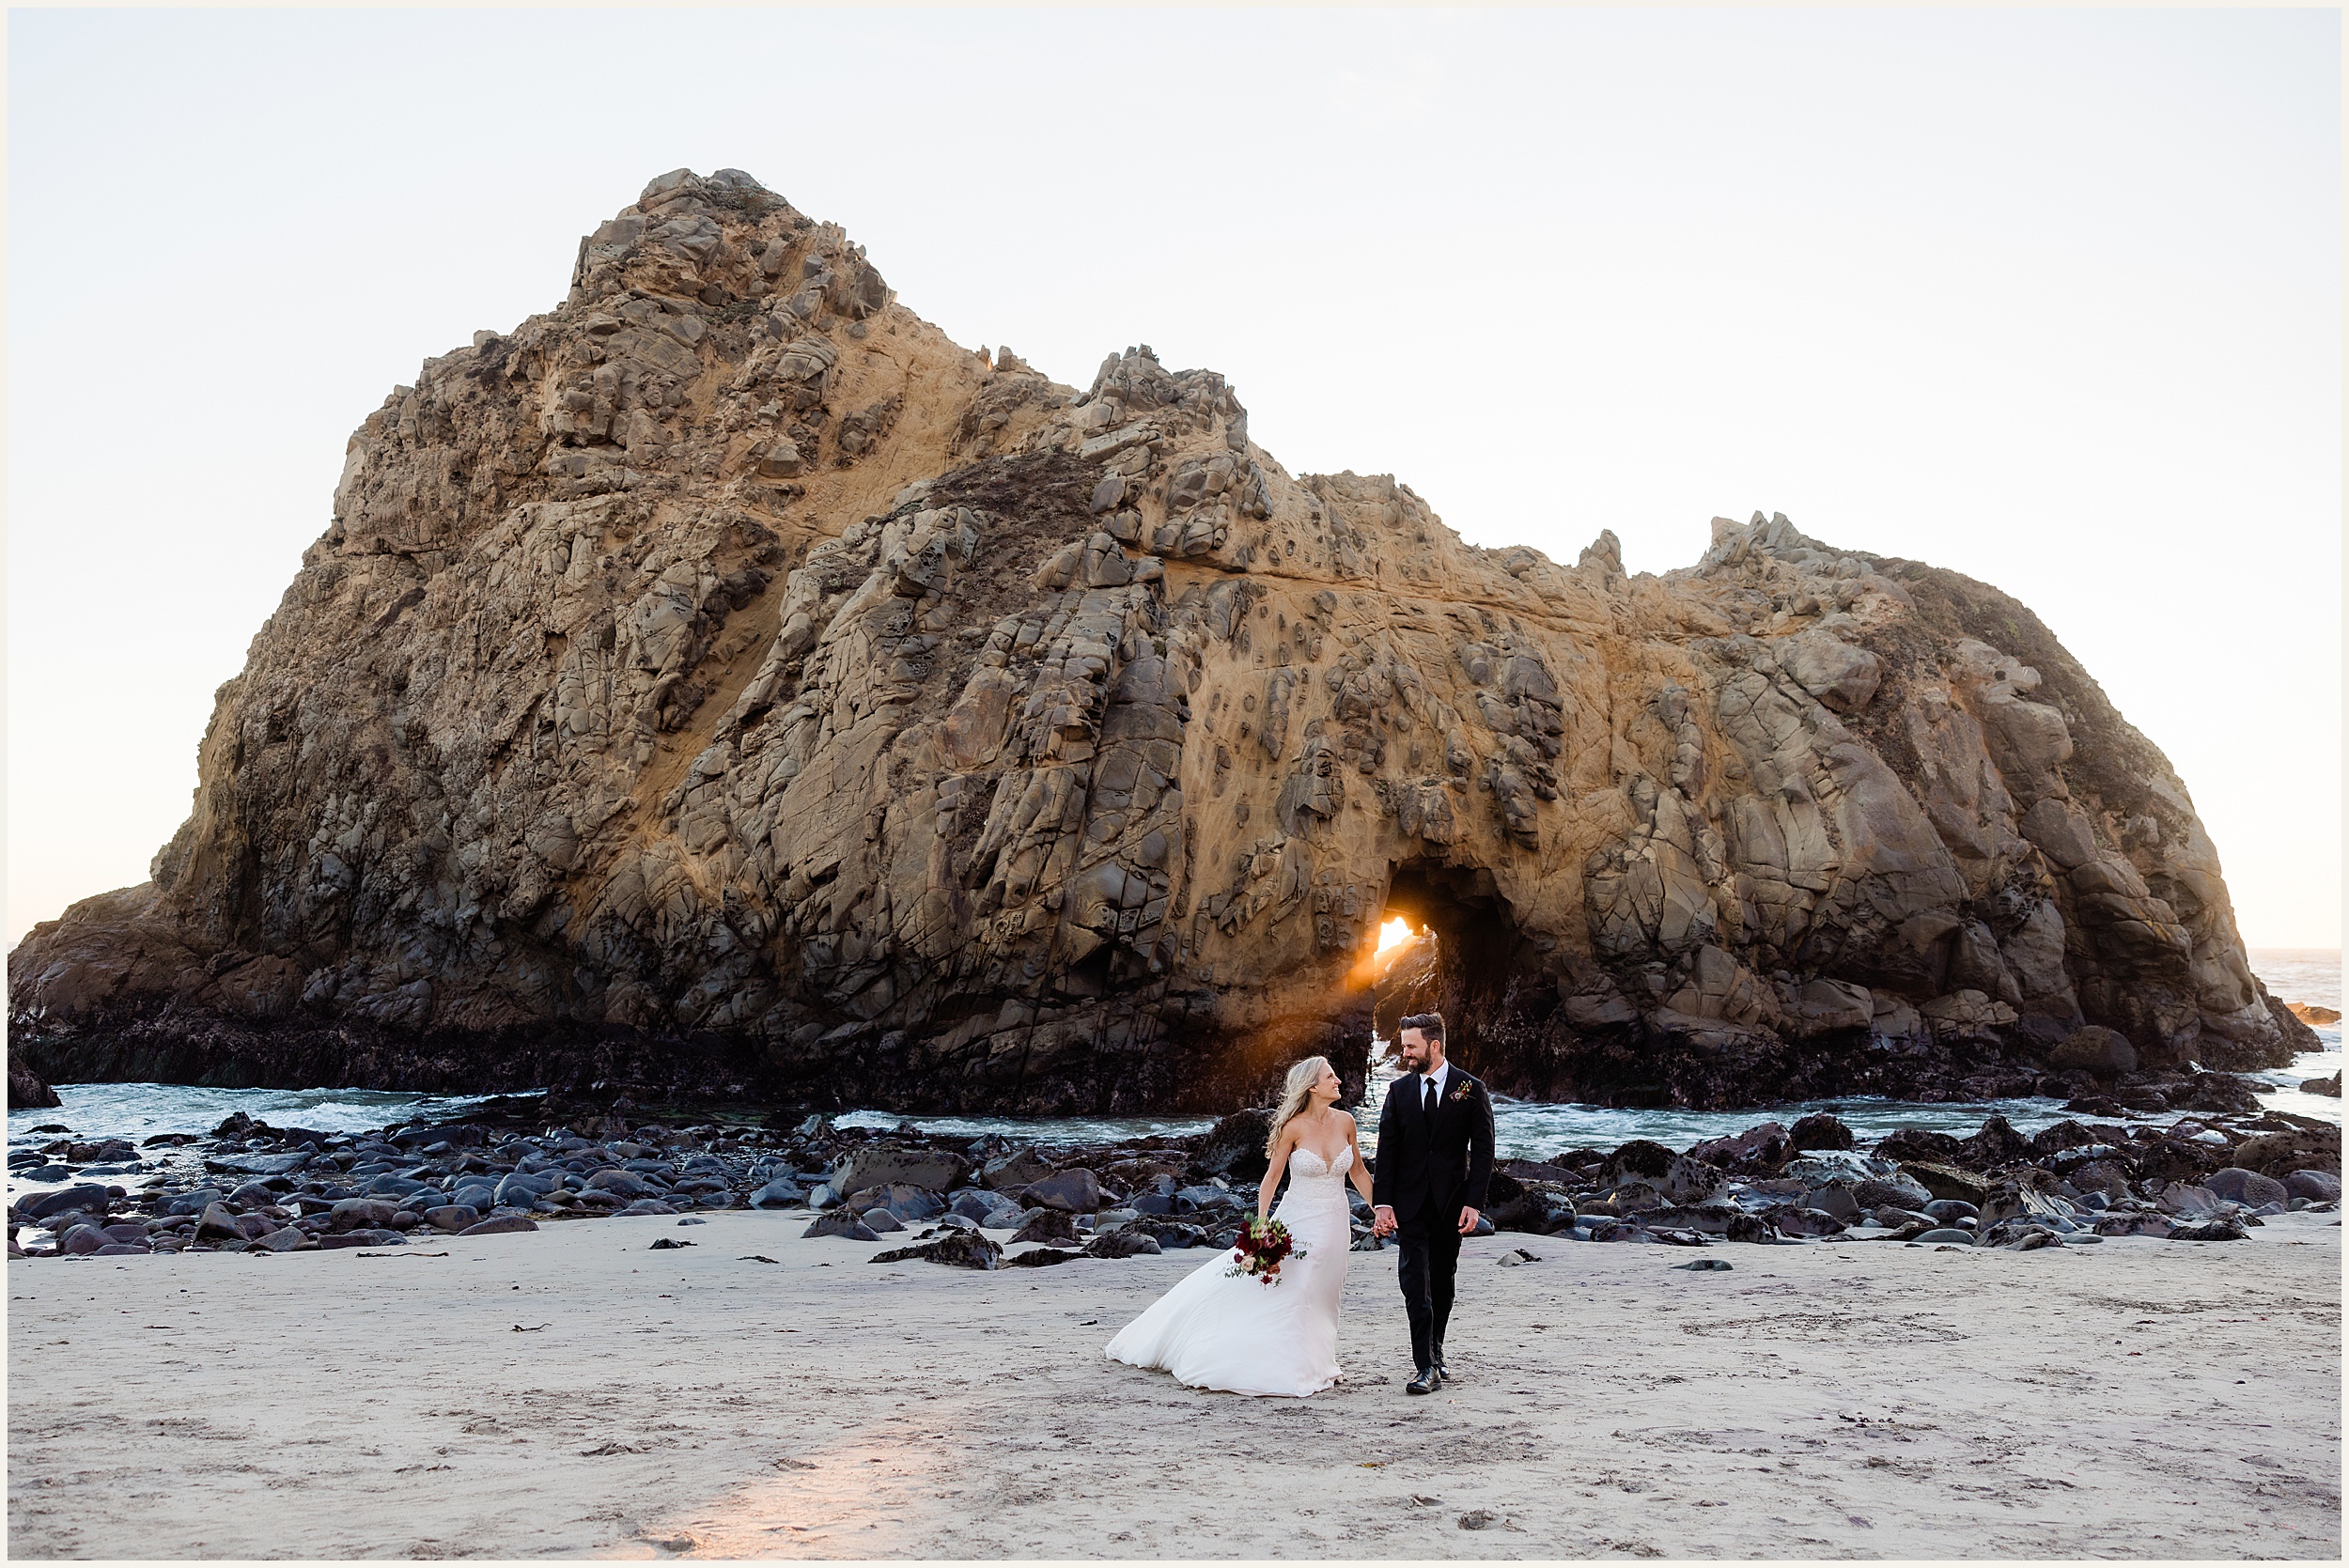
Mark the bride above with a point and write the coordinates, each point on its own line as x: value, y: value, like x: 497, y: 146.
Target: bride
x: 1235, y: 1333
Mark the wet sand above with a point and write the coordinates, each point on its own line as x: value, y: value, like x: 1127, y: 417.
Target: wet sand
x: 2137, y: 1399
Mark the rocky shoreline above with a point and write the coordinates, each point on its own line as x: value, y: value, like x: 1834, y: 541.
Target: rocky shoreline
x: 989, y: 1203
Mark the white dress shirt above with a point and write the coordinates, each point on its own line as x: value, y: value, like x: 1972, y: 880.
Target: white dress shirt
x: 1435, y: 1077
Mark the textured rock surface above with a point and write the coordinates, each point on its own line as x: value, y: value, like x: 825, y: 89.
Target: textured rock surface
x: 727, y: 683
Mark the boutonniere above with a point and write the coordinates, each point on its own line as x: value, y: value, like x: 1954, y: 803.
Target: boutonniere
x: 1460, y: 1093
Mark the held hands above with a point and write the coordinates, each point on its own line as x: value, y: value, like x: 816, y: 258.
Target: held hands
x: 1382, y: 1220
x: 1468, y: 1222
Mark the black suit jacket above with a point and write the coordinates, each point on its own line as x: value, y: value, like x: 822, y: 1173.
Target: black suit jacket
x: 1438, y: 1168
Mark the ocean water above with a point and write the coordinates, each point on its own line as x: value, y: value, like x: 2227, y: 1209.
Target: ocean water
x: 2311, y: 976
x: 140, y: 1111
x: 1523, y: 1128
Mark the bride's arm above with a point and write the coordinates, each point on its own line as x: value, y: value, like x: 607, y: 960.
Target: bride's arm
x: 1359, y: 1177
x: 1278, y: 1163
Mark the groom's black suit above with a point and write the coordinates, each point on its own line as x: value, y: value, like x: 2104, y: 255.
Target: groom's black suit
x: 1429, y: 1169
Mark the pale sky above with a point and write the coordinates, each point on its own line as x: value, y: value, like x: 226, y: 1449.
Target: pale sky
x: 2052, y: 298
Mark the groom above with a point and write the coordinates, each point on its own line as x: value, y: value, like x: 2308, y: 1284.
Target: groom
x: 1435, y: 1157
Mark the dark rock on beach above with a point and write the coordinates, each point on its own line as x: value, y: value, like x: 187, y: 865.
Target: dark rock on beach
x: 504, y: 1224
x: 958, y: 1250
x: 1077, y: 1190
x: 840, y: 1222
x: 1235, y: 1147
x: 1043, y: 1257
x: 902, y: 1164
x: 1047, y: 1225
x: 27, y: 1091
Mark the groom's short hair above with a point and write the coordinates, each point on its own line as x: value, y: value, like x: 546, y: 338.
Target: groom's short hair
x: 1429, y: 1024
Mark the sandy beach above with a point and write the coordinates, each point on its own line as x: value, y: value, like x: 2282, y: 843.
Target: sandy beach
x: 572, y: 1392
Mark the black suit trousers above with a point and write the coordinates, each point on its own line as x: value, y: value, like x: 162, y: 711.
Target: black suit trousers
x: 1430, y: 1244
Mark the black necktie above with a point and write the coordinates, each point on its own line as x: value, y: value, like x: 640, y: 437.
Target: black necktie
x: 1430, y: 1103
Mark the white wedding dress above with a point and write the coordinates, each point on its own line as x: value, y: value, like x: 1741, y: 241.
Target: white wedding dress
x: 1242, y: 1336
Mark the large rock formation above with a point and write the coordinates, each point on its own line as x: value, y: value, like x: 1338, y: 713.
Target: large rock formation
x: 727, y: 683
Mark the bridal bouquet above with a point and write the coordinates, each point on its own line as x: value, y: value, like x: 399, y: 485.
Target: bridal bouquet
x: 1262, y: 1247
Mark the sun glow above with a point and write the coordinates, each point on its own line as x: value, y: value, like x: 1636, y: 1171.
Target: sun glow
x: 1393, y: 933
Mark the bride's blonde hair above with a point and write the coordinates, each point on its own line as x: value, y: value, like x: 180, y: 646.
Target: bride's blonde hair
x: 1295, y: 1095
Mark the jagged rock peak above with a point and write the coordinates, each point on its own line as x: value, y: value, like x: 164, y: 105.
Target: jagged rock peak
x: 726, y: 682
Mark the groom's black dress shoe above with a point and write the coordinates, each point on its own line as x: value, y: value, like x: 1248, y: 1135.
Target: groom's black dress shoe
x: 1441, y: 1371
x: 1426, y: 1383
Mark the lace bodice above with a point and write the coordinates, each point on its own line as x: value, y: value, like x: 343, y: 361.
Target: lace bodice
x: 1307, y: 1166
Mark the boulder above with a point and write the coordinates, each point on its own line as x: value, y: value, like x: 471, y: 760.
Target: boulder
x: 1121, y: 1244
x: 1947, y: 1181
x: 908, y: 1202
x: 1838, y: 1200
x: 2132, y: 1224
x: 2021, y: 1235
x: 85, y: 1197
x: 840, y: 1222
x: 1757, y: 1151
x: 991, y: 1209
x: 80, y: 1239
x: 1170, y: 1235
x: 1538, y: 1210
x: 1819, y: 1130
x: 1077, y: 1190
x: 1689, y: 1181
x: 344, y: 1239
x: 1997, y: 1143
x: 2317, y: 1187
x: 1047, y: 1225
x: 2218, y: 1092
x: 887, y: 1162
x: 1919, y: 1144
x: 2183, y: 1199
x: 27, y: 1091
x: 2105, y: 1052
x: 499, y: 1224
x: 451, y: 1217
x: 1899, y: 1190
x: 958, y: 1250
x: 358, y: 1213
x: 780, y: 1193
x: 2303, y: 1148
x: 2326, y: 1086
x: 1207, y: 1197
x: 1042, y: 1257
x: 2247, y: 1187
x: 1234, y: 1147
x: 1796, y: 1220
x: 620, y: 1184
x: 1012, y: 1172
x: 1639, y: 1158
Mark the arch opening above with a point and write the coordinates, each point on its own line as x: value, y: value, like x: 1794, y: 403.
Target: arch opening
x: 1459, y: 955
